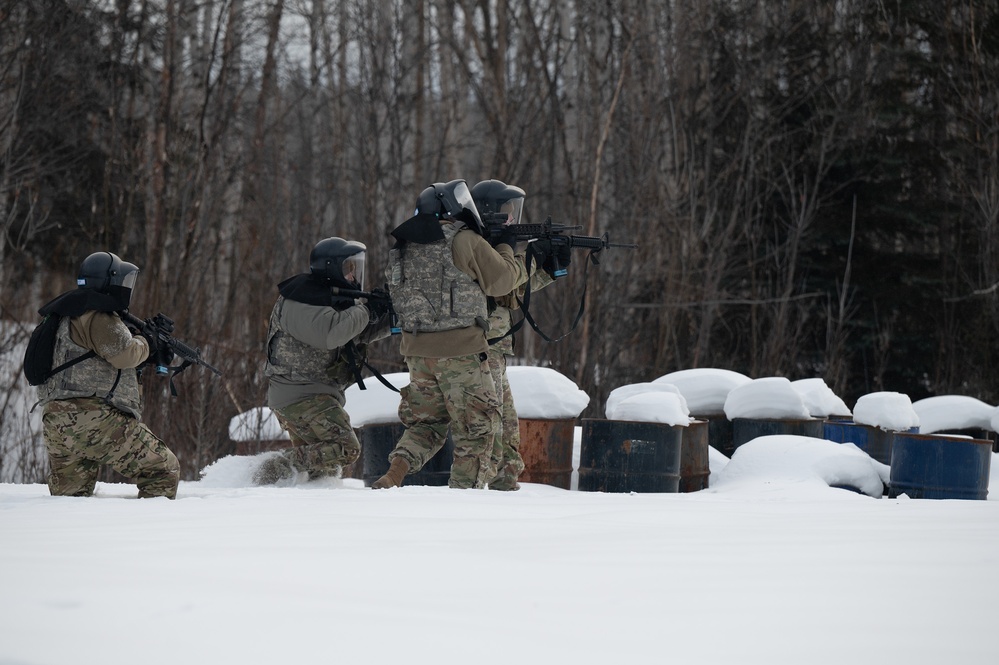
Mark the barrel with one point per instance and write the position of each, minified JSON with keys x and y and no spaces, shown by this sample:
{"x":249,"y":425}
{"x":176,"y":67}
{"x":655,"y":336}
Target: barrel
{"x":874,"y":441}
{"x":694,"y":466}
{"x":719,"y":433}
{"x":747,"y":429}
{"x":377,"y":441}
{"x":629,"y":456}
{"x":546,"y":446}
{"x":931,"y":466}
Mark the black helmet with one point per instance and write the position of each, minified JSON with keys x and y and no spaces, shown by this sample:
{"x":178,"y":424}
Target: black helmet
{"x":104,"y":272}
{"x":498,"y":203}
{"x":451,"y":199}
{"x":339,"y":262}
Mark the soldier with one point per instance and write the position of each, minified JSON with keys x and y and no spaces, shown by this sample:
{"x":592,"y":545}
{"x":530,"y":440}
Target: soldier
{"x":316,"y":343}
{"x":92,"y":407}
{"x":440,"y":272}
{"x":503,"y":205}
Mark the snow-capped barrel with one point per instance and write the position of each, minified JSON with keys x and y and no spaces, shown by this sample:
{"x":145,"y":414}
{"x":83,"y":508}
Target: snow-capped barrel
{"x":769,"y":406}
{"x":546,"y":446}
{"x":694,"y":464}
{"x":877,"y":418}
{"x":705,"y":389}
{"x":547,"y":405}
{"x":874,"y":441}
{"x":629,"y":456}
{"x":378,"y":440}
{"x":933,"y":466}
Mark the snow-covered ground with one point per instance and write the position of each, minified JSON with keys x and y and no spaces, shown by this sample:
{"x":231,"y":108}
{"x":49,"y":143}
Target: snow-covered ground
{"x":769,"y":565}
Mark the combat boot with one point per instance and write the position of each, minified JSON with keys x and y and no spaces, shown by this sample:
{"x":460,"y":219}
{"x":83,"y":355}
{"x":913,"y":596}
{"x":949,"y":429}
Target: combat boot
{"x":273,"y":470}
{"x":393,"y":477}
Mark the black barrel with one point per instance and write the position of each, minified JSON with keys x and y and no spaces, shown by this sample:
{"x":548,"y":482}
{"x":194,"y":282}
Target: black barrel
{"x":377,"y":441}
{"x":719,"y":433}
{"x":747,"y":429}
{"x":629,"y":456}
{"x":931,"y":466}
{"x":694,"y":465}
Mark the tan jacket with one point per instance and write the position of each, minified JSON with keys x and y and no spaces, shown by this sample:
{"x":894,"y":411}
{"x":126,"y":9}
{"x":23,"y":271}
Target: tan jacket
{"x":496,"y":270}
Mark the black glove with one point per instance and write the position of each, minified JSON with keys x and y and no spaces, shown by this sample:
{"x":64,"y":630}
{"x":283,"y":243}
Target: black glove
{"x":507,"y":237}
{"x":558,"y":261}
{"x":160,"y":353}
{"x":379,"y":306}
{"x":540,"y":251}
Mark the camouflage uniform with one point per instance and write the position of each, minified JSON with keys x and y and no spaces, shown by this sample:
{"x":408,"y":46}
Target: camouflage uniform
{"x":450,"y":382}
{"x":92,"y":412}
{"x":309,"y":371}
{"x":506,"y":456}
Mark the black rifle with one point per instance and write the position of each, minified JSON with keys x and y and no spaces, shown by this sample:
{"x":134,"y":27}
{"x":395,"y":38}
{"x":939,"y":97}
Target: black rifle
{"x":349,"y":347}
{"x":161,"y":326}
{"x":555,"y":234}
{"x":381,"y":297}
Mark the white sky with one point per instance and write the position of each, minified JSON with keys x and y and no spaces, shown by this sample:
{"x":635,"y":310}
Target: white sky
{"x":769,"y":565}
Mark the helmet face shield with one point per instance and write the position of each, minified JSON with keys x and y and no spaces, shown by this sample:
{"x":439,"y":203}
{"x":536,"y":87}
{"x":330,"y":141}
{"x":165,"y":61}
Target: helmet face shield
{"x":513,"y":209}
{"x":353,"y":269}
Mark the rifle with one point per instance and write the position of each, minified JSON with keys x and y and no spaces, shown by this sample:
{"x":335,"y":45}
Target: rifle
{"x":381,"y":297}
{"x":161,"y":326}
{"x":555,"y":234}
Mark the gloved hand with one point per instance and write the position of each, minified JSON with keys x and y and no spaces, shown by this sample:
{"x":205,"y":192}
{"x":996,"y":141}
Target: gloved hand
{"x":159,"y":352}
{"x":507,"y":237}
{"x":380,"y":306}
{"x":558,"y":261}
{"x":540,"y":251}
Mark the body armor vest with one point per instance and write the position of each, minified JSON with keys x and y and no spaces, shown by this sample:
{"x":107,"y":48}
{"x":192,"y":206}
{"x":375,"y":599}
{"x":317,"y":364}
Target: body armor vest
{"x":94,"y":377}
{"x":297,"y":361}
{"x":429,"y":293}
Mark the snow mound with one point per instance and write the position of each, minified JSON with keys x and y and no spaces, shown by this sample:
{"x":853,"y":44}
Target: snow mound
{"x":624,"y":392}
{"x":949,"y":412}
{"x":651,"y":407}
{"x":801,"y":460}
{"x":705,"y":388}
{"x":770,"y":397}
{"x":544,"y":394}
{"x":819,"y":398}
{"x":887,"y":410}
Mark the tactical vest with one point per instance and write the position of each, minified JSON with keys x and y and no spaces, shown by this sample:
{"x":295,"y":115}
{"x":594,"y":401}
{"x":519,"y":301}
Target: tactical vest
{"x":94,"y":377}
{"x":430,"y":293}
{"x":297,"y":361}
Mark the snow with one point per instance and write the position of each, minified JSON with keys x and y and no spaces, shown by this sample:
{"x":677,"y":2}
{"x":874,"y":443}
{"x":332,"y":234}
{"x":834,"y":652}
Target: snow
{"x":773,"y":564}
{"x":888,"y":410}
{"x":705,"y":388}
{"x":648,"y":402}
{"x":950,"y":412}
{"x":767,"y":398}
{"x":819,"y":398}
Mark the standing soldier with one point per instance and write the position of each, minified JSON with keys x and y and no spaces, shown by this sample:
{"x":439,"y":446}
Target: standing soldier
{"x":93,"y":403}
{"x":502,"y":205}
{"x":316,"y":343}
{"x":440,"y":272}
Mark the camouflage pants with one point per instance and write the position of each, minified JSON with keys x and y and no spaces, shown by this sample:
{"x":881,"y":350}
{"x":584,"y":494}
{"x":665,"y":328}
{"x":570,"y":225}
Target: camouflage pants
{"x":81,"y":435}
{"x":450,"y":392}
{"x":321,"y":435}
{"x":506,"y":456}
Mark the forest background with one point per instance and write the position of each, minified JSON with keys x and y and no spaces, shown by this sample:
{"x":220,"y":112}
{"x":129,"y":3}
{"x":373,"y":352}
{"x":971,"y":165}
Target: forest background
{"x":814,"y":186}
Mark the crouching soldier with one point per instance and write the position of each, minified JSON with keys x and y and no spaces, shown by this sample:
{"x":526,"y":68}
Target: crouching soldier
{"x":92,"y":402}
{"x":316,"y":344}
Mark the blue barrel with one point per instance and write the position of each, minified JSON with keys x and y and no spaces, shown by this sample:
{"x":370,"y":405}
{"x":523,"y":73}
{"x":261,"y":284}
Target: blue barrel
{"x":747,"y":429}
{"x":694,"y":463}
{"x":629,"y":456}
{"x":377,"y":441}
{"x":931,"y":466}
{"x":874,"y":441}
